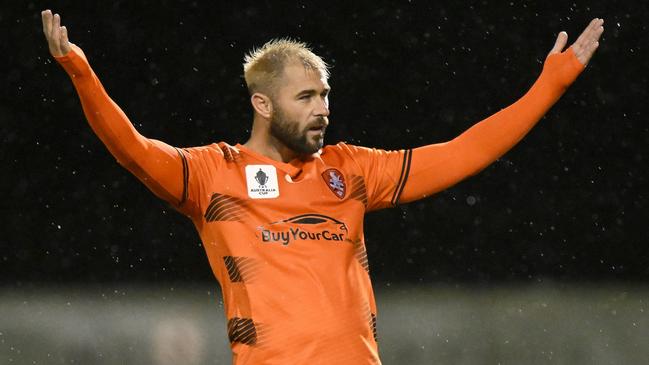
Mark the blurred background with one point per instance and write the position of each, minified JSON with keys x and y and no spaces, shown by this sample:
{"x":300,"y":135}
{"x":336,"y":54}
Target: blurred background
{"x":541,"y":258}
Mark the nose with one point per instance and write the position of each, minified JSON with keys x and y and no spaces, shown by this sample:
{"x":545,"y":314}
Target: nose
{"x":322,"y":109}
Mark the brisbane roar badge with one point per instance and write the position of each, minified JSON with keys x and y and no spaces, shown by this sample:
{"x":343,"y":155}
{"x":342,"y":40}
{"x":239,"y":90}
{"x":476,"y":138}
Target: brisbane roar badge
{"x":335,"y":181}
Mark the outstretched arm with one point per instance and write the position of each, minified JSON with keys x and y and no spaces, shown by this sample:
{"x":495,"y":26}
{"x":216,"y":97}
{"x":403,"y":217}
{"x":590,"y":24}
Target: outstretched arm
{"x":436,"y":167}
{"x":158,"y":165}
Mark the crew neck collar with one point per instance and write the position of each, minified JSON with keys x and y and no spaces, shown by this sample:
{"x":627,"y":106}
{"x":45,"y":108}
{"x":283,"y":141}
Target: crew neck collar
{"x":292,"y":168}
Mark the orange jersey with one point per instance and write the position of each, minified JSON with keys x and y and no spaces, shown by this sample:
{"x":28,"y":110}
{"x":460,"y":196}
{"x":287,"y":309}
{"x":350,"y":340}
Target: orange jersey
{"x":286,"y":243}
{"x":285,"y":240}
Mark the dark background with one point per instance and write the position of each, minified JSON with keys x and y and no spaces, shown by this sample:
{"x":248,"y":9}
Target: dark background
{"x":568,"y":204}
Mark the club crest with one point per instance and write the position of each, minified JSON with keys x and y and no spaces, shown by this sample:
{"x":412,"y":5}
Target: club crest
{"x":335,"y":181}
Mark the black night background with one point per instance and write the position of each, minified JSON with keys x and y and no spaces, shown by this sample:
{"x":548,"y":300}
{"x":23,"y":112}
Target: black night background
{"x":567,"y":205}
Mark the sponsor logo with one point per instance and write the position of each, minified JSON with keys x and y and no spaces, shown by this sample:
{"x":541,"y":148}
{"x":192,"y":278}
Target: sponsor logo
{"x":335,"y":181}
{"x":262,"y":181}
{"x":306,"y":227}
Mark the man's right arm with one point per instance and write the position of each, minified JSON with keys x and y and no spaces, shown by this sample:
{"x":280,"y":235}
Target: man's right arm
{"x":159,"y":166}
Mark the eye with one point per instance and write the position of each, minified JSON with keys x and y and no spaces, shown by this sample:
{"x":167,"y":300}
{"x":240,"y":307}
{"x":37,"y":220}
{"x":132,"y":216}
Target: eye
{"x":304,"y":97}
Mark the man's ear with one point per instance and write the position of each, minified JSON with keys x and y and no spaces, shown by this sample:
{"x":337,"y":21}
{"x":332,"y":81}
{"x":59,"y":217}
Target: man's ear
{"x":262,"y":105}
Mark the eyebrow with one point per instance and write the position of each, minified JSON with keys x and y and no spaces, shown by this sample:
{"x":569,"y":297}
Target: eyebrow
{"x":326,"y":90}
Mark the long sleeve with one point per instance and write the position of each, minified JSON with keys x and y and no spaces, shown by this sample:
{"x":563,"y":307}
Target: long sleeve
{"x":159,"y":166}
{"x":438,"y":166}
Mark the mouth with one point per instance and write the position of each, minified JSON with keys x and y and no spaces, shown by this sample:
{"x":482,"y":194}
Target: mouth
{"x":318,"y":128}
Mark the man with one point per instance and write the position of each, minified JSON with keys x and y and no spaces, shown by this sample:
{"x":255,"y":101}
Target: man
{"x":281,"y":216}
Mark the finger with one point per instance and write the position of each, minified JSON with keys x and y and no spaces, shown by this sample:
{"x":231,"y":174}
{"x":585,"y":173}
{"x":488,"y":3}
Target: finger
{"x":598,"y":32}
{"x":588,"y":53}
{"x":588,"y":42}
{"x":591,"y":33}
{"x":55,"y":34}
{"x":560,"y":43}
{"x":65,"y":44}
{"x":56,"y":22}
{"x":46,"y":17}
{"x":585,"y":53}
{"x":594,"y":37}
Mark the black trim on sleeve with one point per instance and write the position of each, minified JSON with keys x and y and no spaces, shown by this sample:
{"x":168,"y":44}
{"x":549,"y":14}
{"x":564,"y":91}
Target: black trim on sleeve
{"x":405,"y":170}
{"x":185,"y":176}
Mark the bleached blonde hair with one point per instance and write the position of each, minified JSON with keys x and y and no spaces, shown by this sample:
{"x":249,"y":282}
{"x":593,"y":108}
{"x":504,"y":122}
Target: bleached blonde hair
{"x":263,"y":67}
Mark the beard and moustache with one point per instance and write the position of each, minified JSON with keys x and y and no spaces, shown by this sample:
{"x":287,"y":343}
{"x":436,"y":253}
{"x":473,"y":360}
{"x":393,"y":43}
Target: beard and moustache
{"x":287,"y":132}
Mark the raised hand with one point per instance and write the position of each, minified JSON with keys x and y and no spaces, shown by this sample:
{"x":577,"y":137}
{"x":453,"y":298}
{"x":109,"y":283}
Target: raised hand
{"x":56,"y":35}
{"x":585,"y":45}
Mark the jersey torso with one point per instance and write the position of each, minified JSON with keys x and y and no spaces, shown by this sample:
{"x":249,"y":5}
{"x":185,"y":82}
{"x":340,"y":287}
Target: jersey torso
{"x":285,"y":242}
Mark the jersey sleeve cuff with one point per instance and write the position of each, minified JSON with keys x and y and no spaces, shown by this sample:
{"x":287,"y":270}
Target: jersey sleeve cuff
{"x":74,"y":62}
{"x":68,"y":57}
{"x":403,"y":177}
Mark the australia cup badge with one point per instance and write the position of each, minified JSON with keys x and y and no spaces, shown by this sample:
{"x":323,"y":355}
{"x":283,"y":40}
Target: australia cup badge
{"x":262,"y":181}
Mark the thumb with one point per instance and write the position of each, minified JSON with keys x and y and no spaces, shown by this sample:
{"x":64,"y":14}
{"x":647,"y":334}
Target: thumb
{"x":560,"y":43}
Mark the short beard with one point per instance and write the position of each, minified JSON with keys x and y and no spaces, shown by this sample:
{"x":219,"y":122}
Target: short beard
{"x":286,"y":131}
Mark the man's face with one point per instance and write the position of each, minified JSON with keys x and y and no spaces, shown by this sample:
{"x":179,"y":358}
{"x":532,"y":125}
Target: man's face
{"x":300,"y":109}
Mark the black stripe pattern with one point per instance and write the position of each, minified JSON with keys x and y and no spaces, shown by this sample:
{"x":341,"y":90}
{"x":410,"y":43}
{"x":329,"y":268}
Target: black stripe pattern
{"x":242,"y":330}
{"x":361,"y":254}
{"x":240,"y":269}
{"x":183,"y":198}
{"x":373,"y":324}
{"x":225,"y":208}
{"x":358,"y":189}
{"x":405,"y":170}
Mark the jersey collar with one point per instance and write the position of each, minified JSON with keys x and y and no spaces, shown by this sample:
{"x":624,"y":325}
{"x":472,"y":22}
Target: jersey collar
{"x":293,"y":168}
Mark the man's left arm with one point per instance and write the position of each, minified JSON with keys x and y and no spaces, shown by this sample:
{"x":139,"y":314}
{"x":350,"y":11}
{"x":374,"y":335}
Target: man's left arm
{"x":436,"y":167}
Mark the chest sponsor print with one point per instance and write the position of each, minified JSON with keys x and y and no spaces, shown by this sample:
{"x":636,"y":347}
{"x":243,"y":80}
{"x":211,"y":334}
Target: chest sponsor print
{"x":305,"y":227}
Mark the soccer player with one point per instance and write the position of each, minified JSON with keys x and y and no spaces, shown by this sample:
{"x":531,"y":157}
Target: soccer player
{"x":281,"y":216}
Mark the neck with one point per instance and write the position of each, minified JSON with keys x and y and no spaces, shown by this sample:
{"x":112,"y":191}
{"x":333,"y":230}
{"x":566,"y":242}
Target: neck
{"x":262,"y":142}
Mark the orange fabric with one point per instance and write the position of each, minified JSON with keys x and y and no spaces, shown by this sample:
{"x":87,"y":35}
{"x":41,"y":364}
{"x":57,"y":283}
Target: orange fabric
{"x":285,"y":240}
{"x":294,"y":265}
